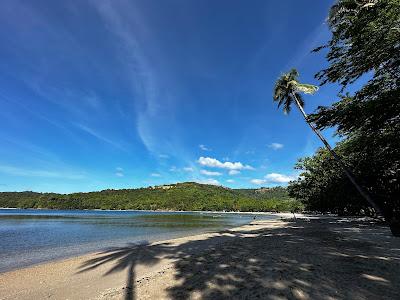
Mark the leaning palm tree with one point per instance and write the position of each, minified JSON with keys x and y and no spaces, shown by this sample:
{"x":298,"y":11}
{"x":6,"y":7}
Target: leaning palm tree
{"x":287,"y":92}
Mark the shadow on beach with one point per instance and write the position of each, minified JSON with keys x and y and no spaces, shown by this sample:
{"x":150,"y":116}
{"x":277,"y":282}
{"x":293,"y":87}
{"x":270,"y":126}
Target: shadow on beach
{"x":317,"y":259}
{"x":126,"y":258}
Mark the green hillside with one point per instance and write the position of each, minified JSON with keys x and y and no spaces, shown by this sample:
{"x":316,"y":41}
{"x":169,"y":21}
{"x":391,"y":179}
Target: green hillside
{"x":180,"y":196}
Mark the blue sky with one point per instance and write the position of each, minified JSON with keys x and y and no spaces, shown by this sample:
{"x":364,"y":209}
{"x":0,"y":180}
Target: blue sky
{"x":121,"y":94}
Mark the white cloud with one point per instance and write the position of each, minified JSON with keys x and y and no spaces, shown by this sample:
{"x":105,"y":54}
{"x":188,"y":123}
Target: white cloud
{"x":209,"y":181}
{"x":119,"y":172}
{"x":155,"y":175}
{"x":204,"y":147}
{"x":230,"y":180}
{"x":173,"y":169}
{"x":279,"y":178}
{"x":275,"y":146}
{"x":188,"y":169}
{"x":210,"y":173}
{"x":258,"y":181}
{"x":233,"y":172}
{"x":274,"y":178}
{"x":215,"y":163}
{"x":165,"y":156}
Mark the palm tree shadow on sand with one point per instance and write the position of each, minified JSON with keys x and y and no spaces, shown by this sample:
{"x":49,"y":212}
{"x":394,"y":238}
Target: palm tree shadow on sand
{"x":127,"y":257}
{"x":305,"y":260}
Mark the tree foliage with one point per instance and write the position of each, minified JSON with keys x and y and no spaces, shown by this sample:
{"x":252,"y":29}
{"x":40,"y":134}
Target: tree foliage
{"x":323,"y":186}
{"x":365,"y":37}
{"x":181,"y":196}
{"x":365,"y":42}
{"x":287,"y":87}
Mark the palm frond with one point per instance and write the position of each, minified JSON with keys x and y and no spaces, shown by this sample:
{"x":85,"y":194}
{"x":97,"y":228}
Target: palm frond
{"x":293,"y":74}
{"x":306,"y":88}
{"x":287,"y":106}
{"x":286,"y":86}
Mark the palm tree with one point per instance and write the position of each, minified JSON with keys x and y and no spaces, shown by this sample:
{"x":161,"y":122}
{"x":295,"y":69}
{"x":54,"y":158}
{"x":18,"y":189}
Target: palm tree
{"x":286,"y":92}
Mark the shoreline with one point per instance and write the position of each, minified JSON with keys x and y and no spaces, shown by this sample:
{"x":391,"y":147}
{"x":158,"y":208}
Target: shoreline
{"x":68,"y":256}
{"x":265,"y":259}
{"x":162,"y":211}
{"x":277,"y":216}
{"x":34,"y":274}
{"x":91,"y":253}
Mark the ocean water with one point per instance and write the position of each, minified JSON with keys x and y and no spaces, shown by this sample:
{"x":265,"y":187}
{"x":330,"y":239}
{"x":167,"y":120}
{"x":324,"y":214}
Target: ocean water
{"x":29,"y":237}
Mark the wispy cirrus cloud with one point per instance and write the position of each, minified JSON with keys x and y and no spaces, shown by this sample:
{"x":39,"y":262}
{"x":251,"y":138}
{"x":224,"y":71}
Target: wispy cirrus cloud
{"x":303,"y":51}
{"x":153,"y":84}
{"x":23,"y":172}
{"x":100,"y":137}
{"x":215,"y":163}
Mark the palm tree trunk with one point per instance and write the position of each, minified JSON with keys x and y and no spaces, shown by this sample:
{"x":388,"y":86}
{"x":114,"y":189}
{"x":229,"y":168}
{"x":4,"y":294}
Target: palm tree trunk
{"x":348,"y":173}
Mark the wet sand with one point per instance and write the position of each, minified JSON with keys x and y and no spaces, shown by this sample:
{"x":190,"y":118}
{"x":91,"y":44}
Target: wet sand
{"x":316,"y":258}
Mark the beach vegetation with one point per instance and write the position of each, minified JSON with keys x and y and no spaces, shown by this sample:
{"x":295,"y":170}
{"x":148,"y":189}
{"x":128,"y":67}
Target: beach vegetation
{"x":364,"y":53}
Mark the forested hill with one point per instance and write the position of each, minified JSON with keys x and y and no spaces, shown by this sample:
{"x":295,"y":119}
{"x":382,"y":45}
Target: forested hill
{"x":180,"y":196}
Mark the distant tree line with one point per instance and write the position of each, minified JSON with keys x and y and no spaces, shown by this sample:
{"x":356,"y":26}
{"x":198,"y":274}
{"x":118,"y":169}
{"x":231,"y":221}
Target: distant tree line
{"x":181,"y":196}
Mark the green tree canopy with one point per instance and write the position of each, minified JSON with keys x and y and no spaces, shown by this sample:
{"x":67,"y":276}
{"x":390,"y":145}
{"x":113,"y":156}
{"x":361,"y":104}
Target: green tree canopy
{"x":365,"y":42}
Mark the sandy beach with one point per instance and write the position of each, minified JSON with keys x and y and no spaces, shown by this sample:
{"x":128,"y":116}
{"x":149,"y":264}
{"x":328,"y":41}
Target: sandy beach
{"x":307,"y":258}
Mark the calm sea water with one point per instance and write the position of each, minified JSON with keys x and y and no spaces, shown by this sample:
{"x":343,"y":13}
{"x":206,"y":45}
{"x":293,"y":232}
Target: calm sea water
{"x":29,"y":237}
